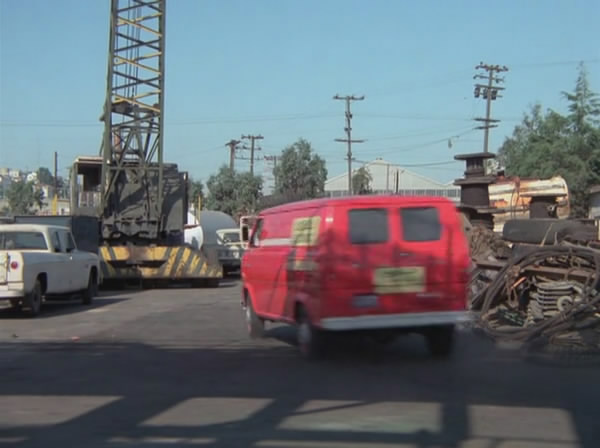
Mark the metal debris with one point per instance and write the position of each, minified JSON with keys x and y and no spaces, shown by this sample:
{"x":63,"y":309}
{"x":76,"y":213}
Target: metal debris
{"x":548,"y":293}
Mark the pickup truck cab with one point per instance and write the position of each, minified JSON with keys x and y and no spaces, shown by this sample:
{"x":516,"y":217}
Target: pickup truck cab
{"x":41,"y":262}
{"x":231,"y":249}
{"x":381,"y":265}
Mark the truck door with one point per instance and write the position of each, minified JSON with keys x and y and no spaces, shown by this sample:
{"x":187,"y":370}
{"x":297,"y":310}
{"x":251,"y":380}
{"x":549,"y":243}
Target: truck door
{"x":78,"y":262}
{"x":58,"y":270}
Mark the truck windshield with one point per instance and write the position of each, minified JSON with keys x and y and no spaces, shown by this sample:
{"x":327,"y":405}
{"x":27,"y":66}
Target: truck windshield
{"x":231,"y":237}
{"x":22,"y":241}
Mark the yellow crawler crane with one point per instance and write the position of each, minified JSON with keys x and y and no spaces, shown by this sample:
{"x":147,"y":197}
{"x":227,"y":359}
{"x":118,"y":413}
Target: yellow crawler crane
{"x":140,"y":201}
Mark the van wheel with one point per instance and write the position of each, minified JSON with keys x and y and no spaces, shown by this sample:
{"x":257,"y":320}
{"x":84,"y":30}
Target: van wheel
{"x":440,"y":341}
{"x":255,"y":325}
{"x":33,"y":301}
{"x":91,"y":291}
{"x":310,"y":339}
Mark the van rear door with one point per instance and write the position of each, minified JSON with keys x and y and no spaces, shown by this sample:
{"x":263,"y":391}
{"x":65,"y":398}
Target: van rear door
{"x":359,"y":243}
{"x":436,"y":255}
{"x":398,"y":257}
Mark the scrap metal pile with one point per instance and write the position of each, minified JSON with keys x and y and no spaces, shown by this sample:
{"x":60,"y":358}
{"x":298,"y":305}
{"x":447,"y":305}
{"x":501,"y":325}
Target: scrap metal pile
{"x":548,"y":295}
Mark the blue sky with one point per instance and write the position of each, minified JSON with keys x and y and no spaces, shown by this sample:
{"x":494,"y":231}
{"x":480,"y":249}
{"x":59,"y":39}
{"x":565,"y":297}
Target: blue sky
{"x":272,"y":67}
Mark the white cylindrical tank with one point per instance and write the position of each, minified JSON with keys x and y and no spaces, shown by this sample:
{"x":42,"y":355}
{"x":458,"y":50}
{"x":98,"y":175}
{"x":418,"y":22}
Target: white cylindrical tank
{"x":194,"y":236}
{"x":205,"y":232}
{"x":211,"y":221}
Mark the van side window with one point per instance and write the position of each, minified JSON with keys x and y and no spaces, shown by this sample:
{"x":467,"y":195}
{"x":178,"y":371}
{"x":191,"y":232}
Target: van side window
{"x":420,"y":224}
{"x":368,"y":226}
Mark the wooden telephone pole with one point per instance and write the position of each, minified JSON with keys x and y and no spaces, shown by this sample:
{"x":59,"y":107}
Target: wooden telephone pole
{"x":233,"y":147}
{"x":489,"y":92}
{"x":252,"y":148}
{"x":348,"y":140}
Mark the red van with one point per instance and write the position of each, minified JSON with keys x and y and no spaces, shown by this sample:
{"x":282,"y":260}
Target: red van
{"x":383,"y":264}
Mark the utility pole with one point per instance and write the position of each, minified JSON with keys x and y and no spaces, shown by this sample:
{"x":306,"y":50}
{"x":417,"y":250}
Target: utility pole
{"x":489,"y":92}
{"x":55,"y":199}
{"x":348,"y":99}
{"x":271,"y":159}
{"x":233,"y":147}
{"x":252,"y":148}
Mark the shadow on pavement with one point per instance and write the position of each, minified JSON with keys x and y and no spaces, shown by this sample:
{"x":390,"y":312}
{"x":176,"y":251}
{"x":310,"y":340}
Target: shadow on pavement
{"x":181,"y":397}
{"x":63,"y":307}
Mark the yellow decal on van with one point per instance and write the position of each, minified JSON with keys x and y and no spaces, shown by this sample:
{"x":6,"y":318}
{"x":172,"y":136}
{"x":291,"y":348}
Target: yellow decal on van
{"x":305,"y":231}
{"x":303,"y":265}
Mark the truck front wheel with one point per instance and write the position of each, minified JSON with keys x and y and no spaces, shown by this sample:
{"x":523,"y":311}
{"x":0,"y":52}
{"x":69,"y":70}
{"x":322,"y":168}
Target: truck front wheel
{"x":91,"y":291}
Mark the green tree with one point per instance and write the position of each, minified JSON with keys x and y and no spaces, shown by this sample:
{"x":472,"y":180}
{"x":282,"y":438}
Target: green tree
{"x":23,"y":197}
{"x":361,"y":181}
{"x":233,"y":193}
{"x":584,"y":104}
{"x":195,"y":191}
{"x":547,"y":143}
{"x":300,"y":172}
{"x":45,"y":176}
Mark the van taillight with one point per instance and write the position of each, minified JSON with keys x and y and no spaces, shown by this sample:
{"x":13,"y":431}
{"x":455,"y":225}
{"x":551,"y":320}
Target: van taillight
{"x":14,"y":265}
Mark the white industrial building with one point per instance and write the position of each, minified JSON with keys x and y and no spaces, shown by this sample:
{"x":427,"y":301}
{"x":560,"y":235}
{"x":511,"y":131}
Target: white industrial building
{"x":389,"y":177}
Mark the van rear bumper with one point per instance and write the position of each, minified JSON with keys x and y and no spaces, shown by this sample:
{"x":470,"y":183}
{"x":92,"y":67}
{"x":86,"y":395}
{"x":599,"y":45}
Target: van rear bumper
{"x":404,"y":320}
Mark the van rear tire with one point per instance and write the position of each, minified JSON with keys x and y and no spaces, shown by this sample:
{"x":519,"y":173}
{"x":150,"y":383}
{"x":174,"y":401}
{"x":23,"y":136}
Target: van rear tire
{"x":310,"y":338}
{"x":440,"y":341}
{"x":254,"y":324}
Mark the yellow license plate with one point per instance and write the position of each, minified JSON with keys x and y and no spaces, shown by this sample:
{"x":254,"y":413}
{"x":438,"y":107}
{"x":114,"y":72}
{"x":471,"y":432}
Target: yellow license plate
{"x":399,"y":280}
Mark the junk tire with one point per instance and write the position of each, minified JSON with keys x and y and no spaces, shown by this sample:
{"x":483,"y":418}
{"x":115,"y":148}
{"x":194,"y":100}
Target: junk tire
{"x":534,"y":231}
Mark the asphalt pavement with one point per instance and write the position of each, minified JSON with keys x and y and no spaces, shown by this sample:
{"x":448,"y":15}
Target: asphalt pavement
{"x":174,"y":367}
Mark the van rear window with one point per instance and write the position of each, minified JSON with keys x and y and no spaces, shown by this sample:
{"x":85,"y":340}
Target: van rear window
{"x":420,"y":224}
{"x":368,"y":226}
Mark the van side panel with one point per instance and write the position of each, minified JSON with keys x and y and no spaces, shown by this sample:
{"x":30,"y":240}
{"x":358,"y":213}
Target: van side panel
{"x":284,"y":269}
{"x":304,"y":263}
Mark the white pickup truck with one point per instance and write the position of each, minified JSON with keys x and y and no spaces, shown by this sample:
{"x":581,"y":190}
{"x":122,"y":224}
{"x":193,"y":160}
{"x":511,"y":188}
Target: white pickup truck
{"x":41,"y":262}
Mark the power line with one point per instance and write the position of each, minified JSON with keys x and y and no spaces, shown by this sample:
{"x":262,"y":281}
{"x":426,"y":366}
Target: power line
{"x":555,"y":63}
{"x":424,"y":144}
{"x":67,"y":124}
{"x":415,"y":117}
{"x":176,"y":123}
{"x":450,"y":78}
{"x":348,"y":140}
{"x":417,"y":133}
{"x":489,"y":92}
{"x":403,"y":165}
